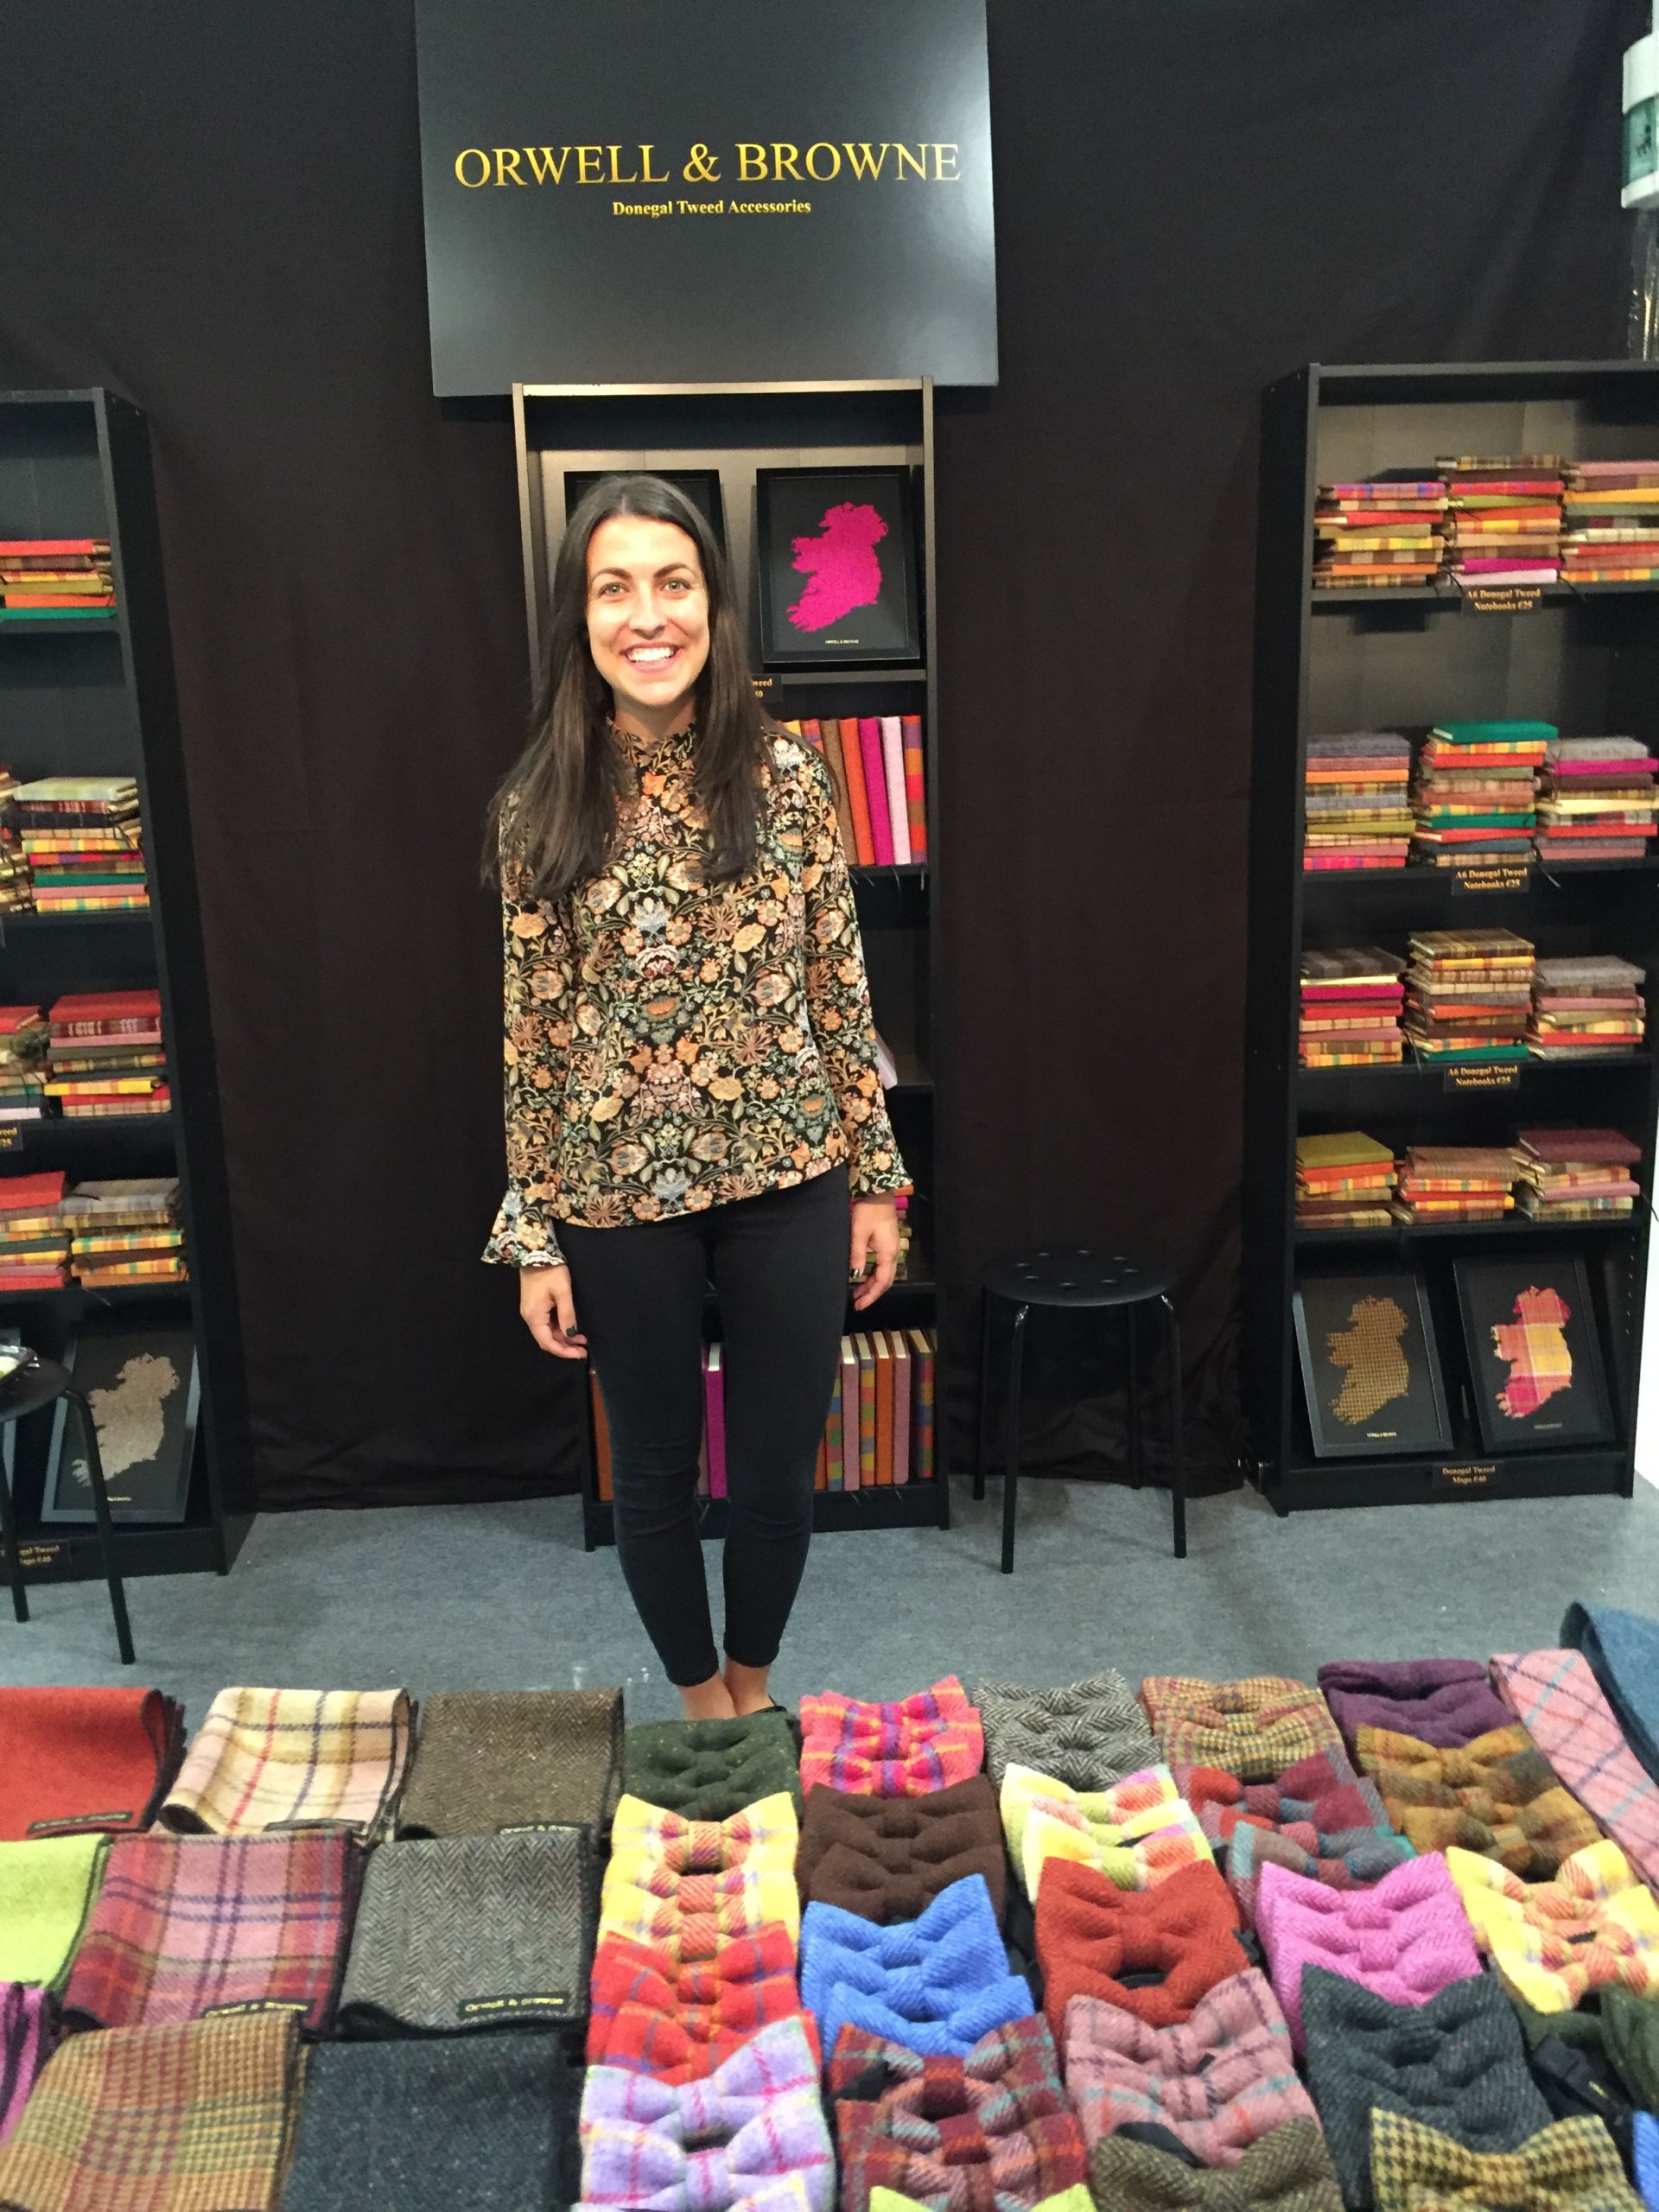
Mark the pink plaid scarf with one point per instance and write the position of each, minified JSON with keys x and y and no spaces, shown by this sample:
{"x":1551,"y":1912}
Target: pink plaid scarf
{"x":1558,"y":1699}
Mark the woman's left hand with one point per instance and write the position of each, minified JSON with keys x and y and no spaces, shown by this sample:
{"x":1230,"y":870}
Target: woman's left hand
{"x":875,"y":1231}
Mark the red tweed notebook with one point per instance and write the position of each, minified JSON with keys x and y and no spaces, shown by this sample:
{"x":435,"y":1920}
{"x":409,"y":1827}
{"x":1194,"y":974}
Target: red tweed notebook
{"x":77,"y":1759}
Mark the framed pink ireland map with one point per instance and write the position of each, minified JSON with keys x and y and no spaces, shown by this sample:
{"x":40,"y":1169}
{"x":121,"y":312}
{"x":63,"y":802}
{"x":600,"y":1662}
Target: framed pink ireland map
{"x":835,"y":552}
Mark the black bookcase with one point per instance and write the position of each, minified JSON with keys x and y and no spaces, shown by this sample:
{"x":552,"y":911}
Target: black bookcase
{"x":736,"y":430}
{"x":98,"y":697}
{"x":1584,"y":657}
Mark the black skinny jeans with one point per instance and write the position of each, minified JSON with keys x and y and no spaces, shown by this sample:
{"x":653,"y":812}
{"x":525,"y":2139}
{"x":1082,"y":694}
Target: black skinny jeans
{"x":778,"y":1264}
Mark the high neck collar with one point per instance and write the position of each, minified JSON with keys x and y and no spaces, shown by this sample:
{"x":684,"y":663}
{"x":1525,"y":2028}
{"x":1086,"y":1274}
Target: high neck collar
{"x":646,"y":750}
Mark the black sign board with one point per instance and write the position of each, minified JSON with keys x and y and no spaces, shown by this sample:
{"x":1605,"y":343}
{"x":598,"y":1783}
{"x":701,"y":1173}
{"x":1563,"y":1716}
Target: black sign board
{"x":706,"y":190}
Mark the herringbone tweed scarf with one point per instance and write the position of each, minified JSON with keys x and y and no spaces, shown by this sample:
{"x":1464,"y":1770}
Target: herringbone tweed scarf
{"x":1090,"y":1734}
{"x":490,"y":1760}
{"x":473,"y":1932}
{"x":708,"y":1769}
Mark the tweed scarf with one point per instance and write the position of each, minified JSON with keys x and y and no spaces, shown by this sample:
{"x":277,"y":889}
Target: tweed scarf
{"x":1319,"y":1819}
{"x":293,"y":1758}
{"x":1090,"y":1734}
{"x":1572,"y":2166}
{"x":187,"y":1926}
{"x":1457,"y":2063}
{"x":491,"y":1759}
{"x":1405,"y":1939}
{"x":687,"y":1886}
{"x":1498,"y":1796}
{"x":85,"y":1758}
{"x":28,"y":2028}
{"x":1559,"y":1703}
{"x":46,"y":1889}
{"x":1095,"y":1940}
{"x":1646,"y":2158}
{"x":988,"y":2128}
{"x":1219,"y":2081}
{"x":708,"y":1769}
{"x":927,"y":1741}
{"x":487,"y":2124}
{"x":680,"y":2022}
{"x":1442,"y":1701}
{"x":1139,"y":1832}
{"x":887,"y":1858}
{"x":1551,"y":1943}
{"x":192,"y":2117}
{"x":1254,"y":1728}
{"x":1289,"y":2170}
{"x":473,"y":1932}
{"x":1623,"y":1650}
{"x":721,"y":2142}
{"x":934,"y":1985}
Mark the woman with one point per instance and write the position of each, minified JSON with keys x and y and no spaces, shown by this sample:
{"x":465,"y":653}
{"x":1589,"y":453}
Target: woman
{"x":691,"y":1085}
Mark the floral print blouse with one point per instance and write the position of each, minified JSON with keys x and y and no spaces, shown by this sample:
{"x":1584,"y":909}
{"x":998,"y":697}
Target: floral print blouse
{"x":671,"y":1046}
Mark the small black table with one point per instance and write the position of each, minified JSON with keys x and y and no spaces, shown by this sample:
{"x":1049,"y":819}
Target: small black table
{"x":35,"y":1387}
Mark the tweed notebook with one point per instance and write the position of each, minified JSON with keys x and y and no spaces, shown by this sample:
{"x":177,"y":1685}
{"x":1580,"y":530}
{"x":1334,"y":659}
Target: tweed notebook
{"x":1572,"y":2166}
{"x":490,"y":1760}
{"x":46,"y":1890}
{"x":294,"y":1758}
{"x":1090,"y":1733}
{"x":887,"y":1858}
{"x":1289,"y":2170}
{"x":708,"y":1769}
{"x":461,"y":1933}
{"x":85,"y":1758}
{"x":28,"y":2028}
{"x":1255,"y":1728}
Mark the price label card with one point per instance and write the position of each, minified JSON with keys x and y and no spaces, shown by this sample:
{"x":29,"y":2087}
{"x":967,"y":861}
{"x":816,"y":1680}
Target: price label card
{"x":1503,"y":598}
{"x":1484,"y":1078}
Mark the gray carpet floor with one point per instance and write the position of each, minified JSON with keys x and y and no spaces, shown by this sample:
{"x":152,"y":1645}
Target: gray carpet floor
{"x":502,"y":1596}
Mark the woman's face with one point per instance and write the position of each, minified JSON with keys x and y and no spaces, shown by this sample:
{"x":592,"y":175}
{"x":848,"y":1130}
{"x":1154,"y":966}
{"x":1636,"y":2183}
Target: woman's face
{"x":647,"y":611}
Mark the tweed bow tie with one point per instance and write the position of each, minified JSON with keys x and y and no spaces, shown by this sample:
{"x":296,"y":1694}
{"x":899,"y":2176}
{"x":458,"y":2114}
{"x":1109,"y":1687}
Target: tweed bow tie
{"x":1594,"y":1927}
{"x":1091,"y":1934}
{"x":1289,"y":2170}
{"x":709,"y":1770}
{"x":1318,"y":1819}
{"x":1089,"y":1733}
{"x":1138,"y":1833}
{"x":1570,"y":2167}
{"x":689,"y":1886}
{"x":680,"y":2022}
{"x":887,"y":1858}
{"x":715,"y":2144}
{"x":934,"y":1985}
{"x":927,"y":1741}
{"x":1066,"y":2200}
{"x":1254,"y":1728}
{"x":1498,"y":1796}
{"x":1440,"y":1700}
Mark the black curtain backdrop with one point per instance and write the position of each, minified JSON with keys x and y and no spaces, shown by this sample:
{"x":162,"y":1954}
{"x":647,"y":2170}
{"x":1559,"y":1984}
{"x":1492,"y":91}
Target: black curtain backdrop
{"x":214,"y":208}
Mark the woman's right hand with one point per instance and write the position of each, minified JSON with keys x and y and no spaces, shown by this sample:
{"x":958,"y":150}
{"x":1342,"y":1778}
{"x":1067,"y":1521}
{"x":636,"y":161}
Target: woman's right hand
{"x":549,"y":1311}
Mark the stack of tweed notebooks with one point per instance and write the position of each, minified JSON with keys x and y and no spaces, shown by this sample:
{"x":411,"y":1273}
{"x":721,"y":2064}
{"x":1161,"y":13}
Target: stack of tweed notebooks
{"x":1474,"y":794}
{"x":1611,"y":520}
{"x":33,"y":1235}
{"x":125,"y":1229}
{"x":1586,"y":1007}
{"x":83,"y":839}
{"x":1598,"y":800}
{"x":1577,"y":1175}
{"x":1354,"y":801}
{"x":1350,"y":1005}
{"x":1455,"y":1182}
{"x":25,"y":1032}
{"x":1385,"y":530}
{"x":1469,"y":996}
{"x":56,"y":578}
{"x":1503,"y":518}
{"x":1343,"y":1181}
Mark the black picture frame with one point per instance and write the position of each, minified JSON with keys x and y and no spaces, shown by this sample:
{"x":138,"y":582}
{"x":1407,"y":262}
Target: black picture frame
{"x":793,"y":510}
{"x":701,"y":486}
{"x":1489,"y":1295}
{"x":149,"y":1484}
{"x":1349,"y":1358}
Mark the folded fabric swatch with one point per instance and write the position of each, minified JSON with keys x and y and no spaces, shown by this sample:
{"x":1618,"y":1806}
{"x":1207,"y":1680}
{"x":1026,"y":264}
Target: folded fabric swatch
{"x":1289,"y":2170}
{"x":1406,"y":1938}
{"x":895,"y":1749}
{"x":989,"y":2127}
{"x":934,"y":1985}
{"x":490,"y":1760}
{"x":1442,"y":1701}
{"x":85,"y":1758}
{"x":1623,"y":1650}
{"x":1457,"y":2063}
{"x":1095,"y":1940}
{"x":28,"y":2028}
{"x":1646,"y":2158}
{"x":1572,"y":2166}
{"x":483,"y":2125}
{"x":709,"y":1770}
{"x":191,"y":2117}
{"x":687,"y":1886}
{"x":1139,"y":1832}
{"x":710,"y":2145}
{"x":1254,"y":1728}
{"x":678,"y":2022}
{"x":1090,"y":1733}
{"x":1559,"y":1703}
{"x":46,"y":1889}
{"x":1219,"y":2081}
{"x":887,"y":1858}
{"x":1593,"y":1926}
{"x":293,"y":1758}
{"x":1498,"y":1796}
{"x":1319,"y":1819}
{"x":187,"y":1926}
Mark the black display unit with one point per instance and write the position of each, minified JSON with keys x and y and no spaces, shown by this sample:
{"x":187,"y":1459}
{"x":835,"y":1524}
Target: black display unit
{"x":734,"y":430}
{"x":1585,"y":658}
{"x":98,"y":697}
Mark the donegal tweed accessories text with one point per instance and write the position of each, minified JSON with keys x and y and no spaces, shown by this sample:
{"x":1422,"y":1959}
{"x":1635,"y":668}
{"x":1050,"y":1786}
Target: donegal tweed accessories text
{"x":1319,"y":1819}
{"x":1444,"y":1702}
{"x":46,"y":1890}
{"x":1139,"y":1832}
{"x":934,"y":1985}
{"x":888,"y":1857}
{"x":1095,"y":1940}
{"x":1090,"y":1733}
{"x":709,"y":1770}
{"x":1570,"y":2167}
{"x":1219,"y":2081}
{"x":1593,"y":1927}
{"x":1623,"y":1650}
{"x":1559,"y":1703}
{"x":686,"y":1887}
{"x":680,"y":2022}
{"x":294,"y":1758}
{"x":85,"y":1758}
{"x":1255,"y":1728}
{"x":1289,"y":2170}
{"x":924,"y":1742}
{"x":489,"y":1759}
{"x":28,"y":2031}
{"x":1498,"y":1796}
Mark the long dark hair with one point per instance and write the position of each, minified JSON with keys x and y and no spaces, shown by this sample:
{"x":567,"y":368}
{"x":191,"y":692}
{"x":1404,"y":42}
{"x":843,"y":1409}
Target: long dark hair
{"x":554,"y":819}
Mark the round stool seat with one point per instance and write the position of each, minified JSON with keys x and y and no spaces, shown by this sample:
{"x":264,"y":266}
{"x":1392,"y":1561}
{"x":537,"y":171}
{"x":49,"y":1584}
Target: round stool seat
{"x":1074,"y":1274}
{"x":35,"y":1387}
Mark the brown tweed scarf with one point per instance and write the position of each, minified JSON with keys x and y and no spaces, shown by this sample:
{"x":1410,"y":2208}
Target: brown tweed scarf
{"x":490,"y":1760}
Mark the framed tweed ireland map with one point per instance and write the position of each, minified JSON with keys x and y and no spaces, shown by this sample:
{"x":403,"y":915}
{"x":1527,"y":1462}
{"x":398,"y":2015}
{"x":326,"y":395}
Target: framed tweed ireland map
{"x":1535,"y":1360}
{"x":1370,"y":1368}
{"x":835,"y":555}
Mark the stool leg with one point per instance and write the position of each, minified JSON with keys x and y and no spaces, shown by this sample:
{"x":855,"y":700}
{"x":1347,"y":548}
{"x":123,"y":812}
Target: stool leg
{"x":1135,"y":1471}
{"x":1011,"y":1480}
{"x":106,"y":1527}
{"x":10,"y":1551}
{"x":1177,"y":1454}
{"x":982,"y":1425}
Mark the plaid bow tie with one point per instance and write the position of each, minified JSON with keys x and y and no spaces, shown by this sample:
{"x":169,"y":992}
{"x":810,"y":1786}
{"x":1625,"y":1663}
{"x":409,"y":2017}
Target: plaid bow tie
{"x":896,"y":1749}
{"x":687,"y":1886}
{"x":1255,"y":1728}
{"x":1594,"y":1927}
{"x":1498,"y":1796}
{"x":934,"y":1985}
{"x":680,"y":2022}
{"x":1138,"y":1833}
{"x":1570,"y":2167}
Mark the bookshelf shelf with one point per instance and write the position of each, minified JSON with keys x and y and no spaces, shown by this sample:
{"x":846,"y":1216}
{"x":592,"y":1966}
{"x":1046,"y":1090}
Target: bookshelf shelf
{"x":816,"y":678}
{"x":91,"y":627}
{"x":126,"y":917}
{"x":1448,"y":599}
{"x":1404,"y":1233}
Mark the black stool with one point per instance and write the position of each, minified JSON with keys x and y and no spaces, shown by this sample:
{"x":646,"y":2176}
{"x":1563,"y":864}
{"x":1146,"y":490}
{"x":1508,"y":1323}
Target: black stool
{"x":35,"y":1386}
{"x":1070,"y":1276}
